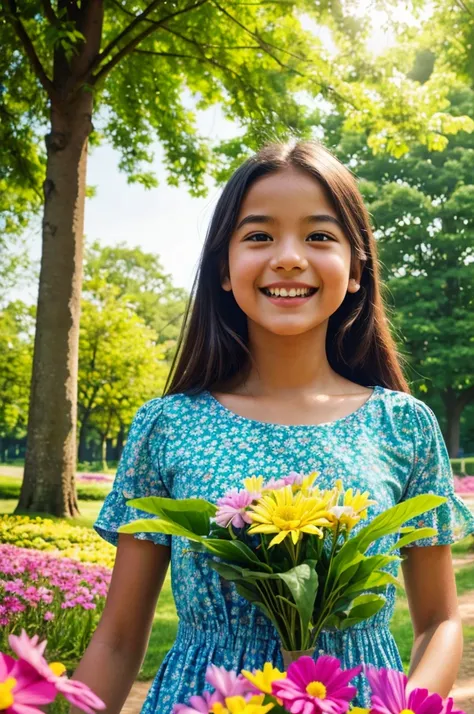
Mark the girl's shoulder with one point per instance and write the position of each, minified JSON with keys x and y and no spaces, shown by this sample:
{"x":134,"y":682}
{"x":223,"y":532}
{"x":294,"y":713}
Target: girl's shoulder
{"x":406,"y":407}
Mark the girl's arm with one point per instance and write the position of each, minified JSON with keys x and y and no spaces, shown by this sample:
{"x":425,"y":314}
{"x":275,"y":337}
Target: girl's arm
{"x":115,"y":653}
{"x":432,"y":598}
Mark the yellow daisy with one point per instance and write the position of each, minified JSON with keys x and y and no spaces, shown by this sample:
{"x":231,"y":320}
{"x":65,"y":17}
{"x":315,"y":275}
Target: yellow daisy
{"x":353,"y":508}
{"x":286,"y":513}
{"x":262,"y":679}
{"x":254,"y":484}
{"x":238,"y":705}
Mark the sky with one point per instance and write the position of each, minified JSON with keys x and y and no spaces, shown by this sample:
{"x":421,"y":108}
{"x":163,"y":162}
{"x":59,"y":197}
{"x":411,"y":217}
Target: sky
{"x":165,"y":220}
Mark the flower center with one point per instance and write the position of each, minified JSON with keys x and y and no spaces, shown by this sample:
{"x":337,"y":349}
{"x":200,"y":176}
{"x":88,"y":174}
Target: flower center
{"x":407,"y":711}
{"x":287,"y":513}
{"x":318,"y":690}
{"x":57,"y":668}
{"x":6,"y":696}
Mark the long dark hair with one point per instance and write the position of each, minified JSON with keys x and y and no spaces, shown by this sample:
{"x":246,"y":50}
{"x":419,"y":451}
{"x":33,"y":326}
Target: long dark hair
{"x":212,"y":349}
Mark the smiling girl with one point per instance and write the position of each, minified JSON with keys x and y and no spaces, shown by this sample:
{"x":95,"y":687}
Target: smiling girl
{"x":285,"y":364}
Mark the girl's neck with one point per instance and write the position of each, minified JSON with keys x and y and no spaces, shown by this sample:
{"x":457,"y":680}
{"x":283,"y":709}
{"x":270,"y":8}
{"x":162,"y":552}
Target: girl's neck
{"x":287,"y":366}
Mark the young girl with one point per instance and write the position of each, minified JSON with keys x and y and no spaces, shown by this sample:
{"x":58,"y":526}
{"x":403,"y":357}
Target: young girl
{"x":286,"y":364}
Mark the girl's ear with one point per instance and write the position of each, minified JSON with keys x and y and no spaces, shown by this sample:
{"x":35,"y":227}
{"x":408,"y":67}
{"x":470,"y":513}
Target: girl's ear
{"x":226,"y":284}
{"x":354,"y":285}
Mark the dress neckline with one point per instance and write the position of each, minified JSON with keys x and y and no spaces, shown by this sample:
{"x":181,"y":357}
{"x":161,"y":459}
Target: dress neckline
{"x":349,"y":417}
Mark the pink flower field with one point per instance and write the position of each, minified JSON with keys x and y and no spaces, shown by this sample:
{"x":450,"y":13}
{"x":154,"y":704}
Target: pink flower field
{"x":52,"y":596}
{"x":464,"y":485}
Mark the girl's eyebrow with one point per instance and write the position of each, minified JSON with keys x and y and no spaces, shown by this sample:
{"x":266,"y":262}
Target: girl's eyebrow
{"x":317,"y":218}
{"x":253,"y":218}
{"x":324,"y":218}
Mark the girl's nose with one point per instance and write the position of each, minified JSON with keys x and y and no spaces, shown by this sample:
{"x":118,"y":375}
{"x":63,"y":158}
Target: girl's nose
{"x":288,"y":258}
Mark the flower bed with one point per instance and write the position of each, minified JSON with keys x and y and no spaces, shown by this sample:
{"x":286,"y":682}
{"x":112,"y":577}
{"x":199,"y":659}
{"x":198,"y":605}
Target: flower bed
{"x":51,"y":596}
{"x":464,"y":485}
{"x":43,"y":534}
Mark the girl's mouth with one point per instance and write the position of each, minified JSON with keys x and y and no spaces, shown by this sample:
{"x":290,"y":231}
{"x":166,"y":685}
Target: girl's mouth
{"x":289,"y":297}
{"x":288,"y":293}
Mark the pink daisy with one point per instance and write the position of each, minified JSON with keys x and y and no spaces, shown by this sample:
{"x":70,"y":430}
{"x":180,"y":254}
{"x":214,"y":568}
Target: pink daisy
{"x":316,"y":687}
{"x":227,"y":684}
{"x":389,"y":695}
{"x":22,"y":690}
{"x":232,"y":508}
{"x":76,"y":692}
{"x":198,"y":705}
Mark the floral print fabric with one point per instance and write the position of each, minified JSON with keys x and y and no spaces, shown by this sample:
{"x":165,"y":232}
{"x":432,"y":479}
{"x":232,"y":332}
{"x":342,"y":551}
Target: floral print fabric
{"x":193,"y":447}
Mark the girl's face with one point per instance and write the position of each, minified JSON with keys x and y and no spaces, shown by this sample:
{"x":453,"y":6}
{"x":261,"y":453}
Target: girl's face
{"x":289,"y":258}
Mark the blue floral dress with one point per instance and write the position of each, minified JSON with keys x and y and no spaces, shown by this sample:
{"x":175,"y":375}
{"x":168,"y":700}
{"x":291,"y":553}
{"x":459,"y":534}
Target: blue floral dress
{"x":194,"y":447}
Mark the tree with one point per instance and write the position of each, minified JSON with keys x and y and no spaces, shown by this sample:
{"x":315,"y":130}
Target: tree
{"x":16,"y":350}
{"x":423,"y":210}
{"x":254,"y":58}
{"x":140,"y":278}
{"x":120,"y":363}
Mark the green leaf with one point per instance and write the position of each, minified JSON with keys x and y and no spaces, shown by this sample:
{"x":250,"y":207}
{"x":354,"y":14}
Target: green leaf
{"x":376,"y":579}
{"x":155,"y":525}
{"x":415,"y":535}
{"x":302,"y":582}
{"x":232,"y":550}
{"x":365,"y":606}
{"x":155,"y":504}
{"x":191,"y":513}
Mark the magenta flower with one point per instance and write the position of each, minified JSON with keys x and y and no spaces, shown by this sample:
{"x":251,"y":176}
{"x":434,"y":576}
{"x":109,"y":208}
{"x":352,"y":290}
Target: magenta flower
{"x":22,"y":690}
{"x":316,"y":687}
{"x":389,"y":695}
{"x":227,"y":684}
{"x":76,"y":692}
{"x":232,"y":508}
{"x":198,"y":705}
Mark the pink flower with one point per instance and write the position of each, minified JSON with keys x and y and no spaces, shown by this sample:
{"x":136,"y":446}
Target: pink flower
{"x":315,"y":687}
{"x":78,"y":693}
{"x":227,"y":684}
{"x":273,"y":484}
{"x":232,"y":508}
{"x":198,"y":705}
{"x":48,"y":615}
{"x":21,"y":688}
{"x":293,"y":478}
{"x":389,"y":695}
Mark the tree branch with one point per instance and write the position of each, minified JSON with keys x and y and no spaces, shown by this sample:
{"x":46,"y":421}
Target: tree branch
{"x":49,"y":12}
{"x":139,"y":38}
{"x":137,"y":20}
{"x":14,"y":18}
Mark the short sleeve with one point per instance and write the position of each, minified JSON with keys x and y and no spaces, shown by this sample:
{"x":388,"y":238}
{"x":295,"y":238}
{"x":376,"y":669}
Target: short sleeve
{"x":432,"y":473}
{"x":138,"y":475}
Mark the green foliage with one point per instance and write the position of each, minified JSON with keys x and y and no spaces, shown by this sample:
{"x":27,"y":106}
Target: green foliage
{"x":10,"y":489}
{"x":422,"y":207}
{"x":16,"y":349}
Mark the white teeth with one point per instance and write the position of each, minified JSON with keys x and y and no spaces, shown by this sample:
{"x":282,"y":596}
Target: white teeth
{"x":292,"y":292}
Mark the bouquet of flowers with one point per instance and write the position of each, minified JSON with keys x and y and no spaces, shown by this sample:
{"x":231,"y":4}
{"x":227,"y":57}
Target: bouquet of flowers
{"x":310,"y":687}
{"x":288,"y":547}
{"x":29,"y":682}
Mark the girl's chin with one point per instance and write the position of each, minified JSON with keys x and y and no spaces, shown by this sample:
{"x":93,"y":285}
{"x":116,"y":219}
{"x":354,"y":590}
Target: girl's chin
{"x":285,"y":328}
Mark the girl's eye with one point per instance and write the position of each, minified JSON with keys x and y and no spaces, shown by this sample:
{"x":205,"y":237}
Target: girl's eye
{"x":319,"y":237}
{"x":259,"y":238}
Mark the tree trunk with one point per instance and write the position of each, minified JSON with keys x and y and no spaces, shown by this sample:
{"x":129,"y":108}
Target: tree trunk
{"x":455,"y":402}
{"x":103,"y":452}
{"x":119,"y":444}
{"x":82,"y":451}
{"x":48,"y":484}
